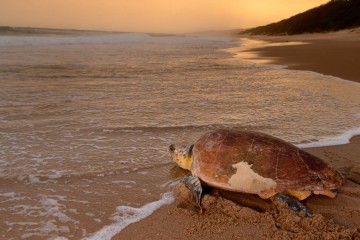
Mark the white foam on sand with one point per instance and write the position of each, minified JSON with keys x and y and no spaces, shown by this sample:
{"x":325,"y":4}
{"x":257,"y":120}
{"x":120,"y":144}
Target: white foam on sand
{"x":56,"y":210}
{"x":125,"y":216}
{"x":340,"y":139}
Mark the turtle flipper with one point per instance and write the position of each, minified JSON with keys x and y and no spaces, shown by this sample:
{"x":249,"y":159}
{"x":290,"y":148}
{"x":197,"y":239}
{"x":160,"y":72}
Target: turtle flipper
{"x":293,"y":204}
{"x":194,"y":185}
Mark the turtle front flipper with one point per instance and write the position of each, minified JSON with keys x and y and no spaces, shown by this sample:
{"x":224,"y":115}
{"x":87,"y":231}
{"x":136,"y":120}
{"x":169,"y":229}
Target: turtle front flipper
{"x":293,"y":204}
{"x":194,"y":185}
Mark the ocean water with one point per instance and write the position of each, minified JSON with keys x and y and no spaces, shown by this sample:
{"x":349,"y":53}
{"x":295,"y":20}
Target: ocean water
{"x":85,"y":122}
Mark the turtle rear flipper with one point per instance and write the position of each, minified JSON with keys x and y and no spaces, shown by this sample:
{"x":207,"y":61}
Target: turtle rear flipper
{"x":293,"y":204}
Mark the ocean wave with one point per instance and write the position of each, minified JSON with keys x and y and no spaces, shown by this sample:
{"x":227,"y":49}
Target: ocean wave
{"x":98,"y":38}
{"x":332,"y":140}
{"x":72,"y":40}
{"x":176,"y":128}
{"x":340,"y":139}
{"x":89,"y":174}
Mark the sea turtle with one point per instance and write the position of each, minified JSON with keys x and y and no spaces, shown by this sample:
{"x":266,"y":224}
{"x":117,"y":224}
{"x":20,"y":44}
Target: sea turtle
{"x":256,"y":163}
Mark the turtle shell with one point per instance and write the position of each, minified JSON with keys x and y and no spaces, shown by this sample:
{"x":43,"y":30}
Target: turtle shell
{"x":257,"y":163}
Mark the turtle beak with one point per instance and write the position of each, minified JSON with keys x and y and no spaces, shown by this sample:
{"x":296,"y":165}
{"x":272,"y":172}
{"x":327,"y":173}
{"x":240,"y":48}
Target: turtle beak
{"x":172,"y":153}
{"x":171,"y":148}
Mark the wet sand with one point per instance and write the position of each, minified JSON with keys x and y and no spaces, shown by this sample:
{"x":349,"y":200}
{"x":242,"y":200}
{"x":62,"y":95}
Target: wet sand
{"x":335,"y":54}
{"x":339,"y":218}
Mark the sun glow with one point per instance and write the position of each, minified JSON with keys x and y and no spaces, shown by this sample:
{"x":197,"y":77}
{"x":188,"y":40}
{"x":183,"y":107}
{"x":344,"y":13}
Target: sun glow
{"x":149,"y":15}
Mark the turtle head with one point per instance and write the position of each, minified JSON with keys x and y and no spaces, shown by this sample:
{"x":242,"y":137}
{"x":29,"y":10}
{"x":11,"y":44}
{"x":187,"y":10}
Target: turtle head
{"x":182,"y":155}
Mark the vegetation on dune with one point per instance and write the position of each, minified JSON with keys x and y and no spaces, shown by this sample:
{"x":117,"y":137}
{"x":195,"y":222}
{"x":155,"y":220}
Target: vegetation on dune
{"x":333,"y":16}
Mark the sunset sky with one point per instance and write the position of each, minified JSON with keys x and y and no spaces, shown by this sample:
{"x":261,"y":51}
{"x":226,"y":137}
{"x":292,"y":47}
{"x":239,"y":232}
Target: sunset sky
{"x":173,"y":16}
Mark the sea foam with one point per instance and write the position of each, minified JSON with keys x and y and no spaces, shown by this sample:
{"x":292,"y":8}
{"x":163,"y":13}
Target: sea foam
{"x":339,"y":139}
{"x":125,"y":216}
{"x":70,"y":40}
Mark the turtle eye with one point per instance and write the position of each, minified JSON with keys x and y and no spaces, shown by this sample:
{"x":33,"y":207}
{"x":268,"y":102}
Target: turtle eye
{"x":189,"y":150}
{"x":171,"y":148}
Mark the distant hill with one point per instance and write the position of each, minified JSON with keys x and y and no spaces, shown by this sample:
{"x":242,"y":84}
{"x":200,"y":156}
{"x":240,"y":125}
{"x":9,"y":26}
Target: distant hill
{"x":333,"y":16}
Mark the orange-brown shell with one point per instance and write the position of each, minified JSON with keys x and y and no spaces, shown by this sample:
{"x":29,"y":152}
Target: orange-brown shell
{"x":224,"y":158}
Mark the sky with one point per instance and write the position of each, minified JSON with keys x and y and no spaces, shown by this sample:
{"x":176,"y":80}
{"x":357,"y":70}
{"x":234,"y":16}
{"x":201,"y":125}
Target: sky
{"x":162,"y":16}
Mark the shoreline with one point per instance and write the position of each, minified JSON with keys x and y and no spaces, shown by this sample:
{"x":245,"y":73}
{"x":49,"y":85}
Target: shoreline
{"x":332,"y":53}
{"x":332,"y":217}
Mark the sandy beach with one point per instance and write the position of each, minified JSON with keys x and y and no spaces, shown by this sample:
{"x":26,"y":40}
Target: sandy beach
{"x":332,"y":54}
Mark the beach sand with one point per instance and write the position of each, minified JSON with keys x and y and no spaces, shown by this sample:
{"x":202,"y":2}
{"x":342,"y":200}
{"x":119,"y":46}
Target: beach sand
{"x":333,"y":54}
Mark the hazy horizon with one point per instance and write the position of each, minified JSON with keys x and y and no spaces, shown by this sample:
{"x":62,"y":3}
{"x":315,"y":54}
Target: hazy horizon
{"x":157,"y":16}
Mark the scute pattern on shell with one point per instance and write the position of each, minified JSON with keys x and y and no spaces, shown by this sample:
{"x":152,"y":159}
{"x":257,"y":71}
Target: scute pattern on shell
{"x":216,"y":153}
